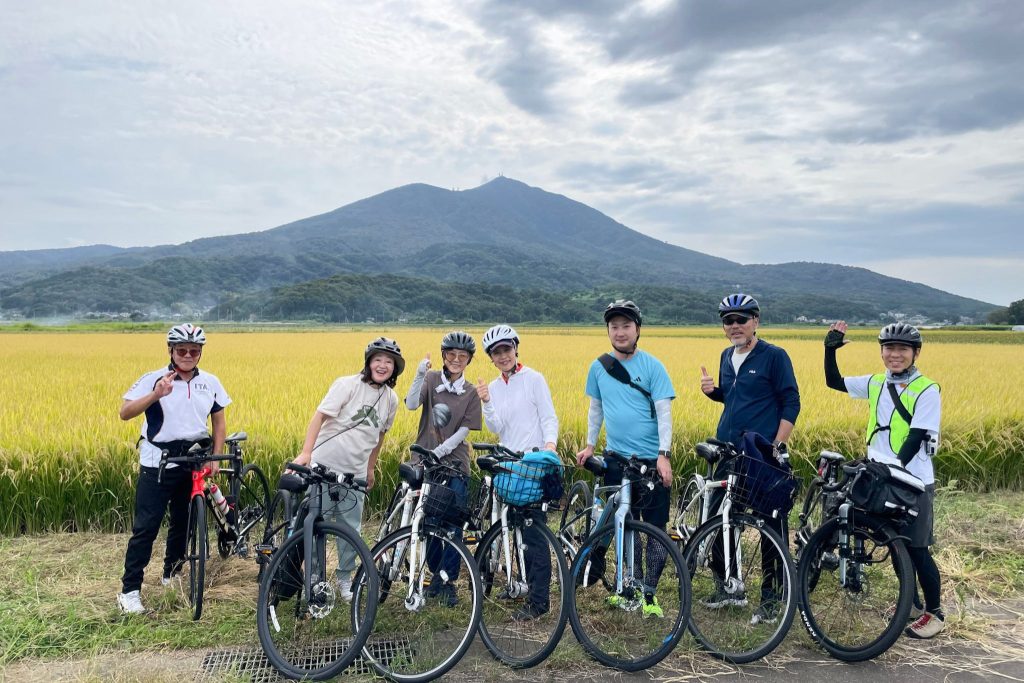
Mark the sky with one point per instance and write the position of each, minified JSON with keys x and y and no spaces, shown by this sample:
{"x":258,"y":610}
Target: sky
{"x":887,"y":135}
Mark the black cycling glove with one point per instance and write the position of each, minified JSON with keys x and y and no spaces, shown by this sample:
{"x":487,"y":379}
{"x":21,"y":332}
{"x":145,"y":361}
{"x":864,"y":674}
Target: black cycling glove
{"x":834,"y":339}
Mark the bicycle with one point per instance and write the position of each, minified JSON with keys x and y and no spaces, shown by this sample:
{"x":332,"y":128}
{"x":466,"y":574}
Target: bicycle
{"x":732,"y":554}
{"x":248,"y":500}
{"x":423,"y":627}
{"x":304,"y":626}
{"x":818,"y":504}
{"x":629,"y":615}
{"x":521,"y":562}
{"x":231,"y":534}
{"x":855,"y":577}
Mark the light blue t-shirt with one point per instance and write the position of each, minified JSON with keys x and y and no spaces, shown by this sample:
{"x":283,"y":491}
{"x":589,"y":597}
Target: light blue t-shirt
{"x":629,"y":427}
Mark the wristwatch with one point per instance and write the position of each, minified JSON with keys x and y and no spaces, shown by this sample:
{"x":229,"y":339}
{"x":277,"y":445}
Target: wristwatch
{"x":665,"y":453}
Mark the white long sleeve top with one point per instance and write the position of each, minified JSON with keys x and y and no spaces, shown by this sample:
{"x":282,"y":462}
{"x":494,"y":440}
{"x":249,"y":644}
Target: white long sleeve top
{"x":521,"y":412}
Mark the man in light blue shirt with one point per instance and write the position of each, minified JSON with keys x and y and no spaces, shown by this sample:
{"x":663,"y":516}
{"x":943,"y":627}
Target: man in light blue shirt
{"x":636,"y":409}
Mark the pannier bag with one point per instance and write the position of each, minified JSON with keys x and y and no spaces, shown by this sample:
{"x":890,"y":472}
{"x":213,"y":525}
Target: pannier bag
{"x":886,"y":490}
{"x":537,"y":477}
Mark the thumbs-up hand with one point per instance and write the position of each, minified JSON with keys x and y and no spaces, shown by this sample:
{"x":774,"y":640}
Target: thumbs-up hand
{"x":424,"y":365}
{"x":482,"y":391}
{"x":707,"y":383}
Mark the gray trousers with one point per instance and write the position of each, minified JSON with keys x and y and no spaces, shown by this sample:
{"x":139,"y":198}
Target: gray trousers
{"x":348,"y":510}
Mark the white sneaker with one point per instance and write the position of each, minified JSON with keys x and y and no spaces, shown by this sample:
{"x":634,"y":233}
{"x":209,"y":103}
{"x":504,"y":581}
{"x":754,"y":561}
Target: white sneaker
{"x":130,"y":603}
{"x":174,"y":579}
{"x":345,"y":589}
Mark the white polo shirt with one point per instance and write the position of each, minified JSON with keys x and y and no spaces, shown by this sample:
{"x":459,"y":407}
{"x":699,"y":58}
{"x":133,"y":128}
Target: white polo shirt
{"x":181,"y":414}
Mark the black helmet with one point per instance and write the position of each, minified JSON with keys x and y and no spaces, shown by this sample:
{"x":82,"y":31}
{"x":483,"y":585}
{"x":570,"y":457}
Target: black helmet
{"x":900,"y":333}
{"x":458,"y":340}
{"x":388,"y":346}
{"x":625,"y":308}
{"x":743,"y":304}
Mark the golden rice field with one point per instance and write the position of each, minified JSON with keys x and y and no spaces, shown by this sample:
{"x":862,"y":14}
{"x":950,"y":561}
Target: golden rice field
{"x":67,"y":461}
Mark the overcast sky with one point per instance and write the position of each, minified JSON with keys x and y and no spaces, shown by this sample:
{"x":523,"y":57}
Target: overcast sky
{"x":888,"y":135}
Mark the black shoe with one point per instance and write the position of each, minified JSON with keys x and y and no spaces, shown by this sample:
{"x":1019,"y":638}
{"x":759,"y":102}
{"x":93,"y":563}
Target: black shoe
{"x":530,"y":612}
{"x":447,"y":595}
{"x":434,"y":588}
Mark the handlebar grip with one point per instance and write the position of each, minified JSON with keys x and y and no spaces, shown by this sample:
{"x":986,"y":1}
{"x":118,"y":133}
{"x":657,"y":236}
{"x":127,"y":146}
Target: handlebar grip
{"x":296,"y":467}
{"x":618,"y":457}
{"x":484,"y":446}
{"x":416,"y":448}
{"x":359,"y":483}
{"x":595,"y":464}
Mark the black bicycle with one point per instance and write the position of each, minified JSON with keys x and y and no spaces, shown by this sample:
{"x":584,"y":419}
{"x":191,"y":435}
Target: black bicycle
{"x":855,"y":577}
{"x":305,"y":614}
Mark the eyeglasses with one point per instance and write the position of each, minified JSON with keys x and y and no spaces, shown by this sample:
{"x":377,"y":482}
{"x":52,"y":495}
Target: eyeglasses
{"x":456,"y":356}
{"x":178,"y":351}
{"x":735,"y":320}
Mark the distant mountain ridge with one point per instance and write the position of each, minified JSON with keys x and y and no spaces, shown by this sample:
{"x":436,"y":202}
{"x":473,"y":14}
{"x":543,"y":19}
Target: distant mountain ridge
{"x":502,"y":233}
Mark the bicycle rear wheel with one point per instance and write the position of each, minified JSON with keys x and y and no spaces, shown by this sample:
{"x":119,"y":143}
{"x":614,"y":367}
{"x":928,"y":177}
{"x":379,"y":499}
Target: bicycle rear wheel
{"x":615,"y":626}
{"x":196,"y":554}
{"x":252,"y":507}
{"x":422,"y":629}
{"x":812,"y":516}
{"x":742,"y":614}
{"x":313,"y":636}
{"x":851,"y":618}
{"x":525,"y":605}
{"x":576,"y":522}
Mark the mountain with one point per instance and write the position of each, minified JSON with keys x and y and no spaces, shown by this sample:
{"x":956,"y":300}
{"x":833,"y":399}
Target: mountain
{"x":501,"y":234}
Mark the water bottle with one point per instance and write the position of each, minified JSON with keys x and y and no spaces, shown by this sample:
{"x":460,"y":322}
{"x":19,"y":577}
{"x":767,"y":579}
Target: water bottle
{"x":220,"y":506}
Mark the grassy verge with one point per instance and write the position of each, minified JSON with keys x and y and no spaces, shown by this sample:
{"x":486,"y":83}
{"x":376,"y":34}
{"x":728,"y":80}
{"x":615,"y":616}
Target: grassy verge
{"x":57,"y":591}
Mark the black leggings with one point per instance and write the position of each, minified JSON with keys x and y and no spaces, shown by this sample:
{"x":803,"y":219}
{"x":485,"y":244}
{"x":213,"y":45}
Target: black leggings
{"x":927,"y":577}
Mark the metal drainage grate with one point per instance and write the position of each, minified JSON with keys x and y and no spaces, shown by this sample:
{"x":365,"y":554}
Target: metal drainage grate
{"x":252,"y":662}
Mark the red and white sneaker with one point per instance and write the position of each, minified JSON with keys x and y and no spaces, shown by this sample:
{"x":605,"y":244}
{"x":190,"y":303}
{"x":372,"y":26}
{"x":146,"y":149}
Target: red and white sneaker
{"x":925,"y":626}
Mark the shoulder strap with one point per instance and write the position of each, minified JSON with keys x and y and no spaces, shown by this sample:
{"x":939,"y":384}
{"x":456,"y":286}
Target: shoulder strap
{"x":900,"y":408}
{"x":619,"y":373}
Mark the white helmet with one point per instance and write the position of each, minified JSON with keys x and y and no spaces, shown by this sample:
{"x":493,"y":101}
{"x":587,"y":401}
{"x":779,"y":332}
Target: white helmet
{"x":499,"y":334}
{"x":186,"y":334}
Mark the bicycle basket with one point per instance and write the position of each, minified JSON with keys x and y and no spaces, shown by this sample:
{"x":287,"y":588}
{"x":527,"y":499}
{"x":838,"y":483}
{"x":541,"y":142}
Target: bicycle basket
{"x":537,"y":477}
{"x":444,"y":503}
{"x":762,"y":487}
{"x":886,"y":490}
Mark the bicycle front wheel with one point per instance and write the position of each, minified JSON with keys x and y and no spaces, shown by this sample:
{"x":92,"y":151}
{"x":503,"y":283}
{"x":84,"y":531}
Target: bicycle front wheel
{"x":196,"y":549}
{"x":629,"y":614}
{"x":855,"y":596}
{"x":812,"y":516}
{"x":525,"y":606}
{"x":688,"y":513}
{"x":429,"y":604}
{"x":743,"y":607}
{"x":575,"y":526}
{"x":312,"y":635}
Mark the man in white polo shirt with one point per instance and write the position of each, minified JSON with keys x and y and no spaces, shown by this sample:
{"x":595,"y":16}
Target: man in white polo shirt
{"x":177,"y":400}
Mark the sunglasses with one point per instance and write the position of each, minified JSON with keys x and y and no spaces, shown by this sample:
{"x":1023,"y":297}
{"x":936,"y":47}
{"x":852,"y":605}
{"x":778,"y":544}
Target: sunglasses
{"x":456,"y":355}
{"x":735,"y":320}
{"x":187,"y":352}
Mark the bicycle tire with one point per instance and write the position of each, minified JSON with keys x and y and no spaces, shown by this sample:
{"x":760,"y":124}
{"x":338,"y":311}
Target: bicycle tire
{"x":728,"y":625}
{"x":628,"y":642}
{"x":811,"y":518}
{"x":575,"y":525}
{"x":851,"y":622}
{"x":314,"y":639}
{"x":387,"y":523}
{"x":520,"y":644}
{"x":413,"y":644}
{"x":196,"y":547}
{"x":252,"y":504}
{"x":689,"y":511}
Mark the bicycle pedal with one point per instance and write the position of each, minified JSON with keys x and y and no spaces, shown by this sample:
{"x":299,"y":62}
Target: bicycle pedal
{"x":676,"y":536}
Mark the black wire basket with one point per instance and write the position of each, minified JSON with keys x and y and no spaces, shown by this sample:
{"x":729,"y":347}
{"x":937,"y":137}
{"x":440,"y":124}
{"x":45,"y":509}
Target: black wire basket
{"x":441,"y":502}
{"x":766,"y":489}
